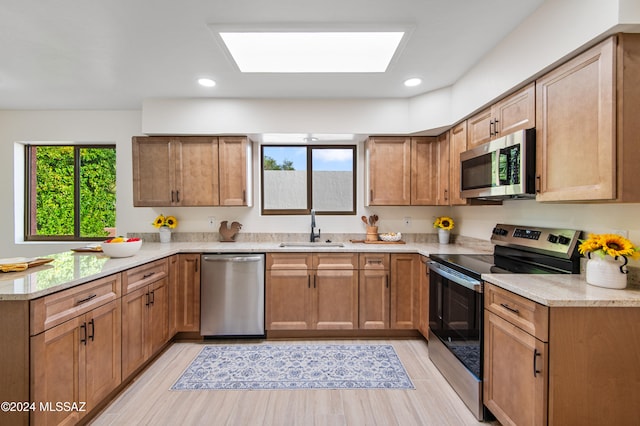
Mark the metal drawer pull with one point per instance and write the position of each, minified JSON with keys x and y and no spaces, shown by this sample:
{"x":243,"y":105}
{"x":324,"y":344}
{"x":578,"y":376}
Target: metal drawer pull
{"x":535,"y":355}
{"x":509,"y":308}
{"x":147,"y":302}
{"x":83,"y":328}
{"x":153,"y":297}
{"x":148,"y":275}
{"x":376,"y":261}
{"x":86,"y":299}
{"x":93,"y":329}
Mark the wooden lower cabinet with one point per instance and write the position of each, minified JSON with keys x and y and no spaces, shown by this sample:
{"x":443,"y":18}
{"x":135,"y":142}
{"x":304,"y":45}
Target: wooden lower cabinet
{"x":423,"y":297}
{"x":405,"y":270}
{"x":374,"y":291}
{"x":77,"y":361}
{"x":311,"y":291}
{"x":145,"y":324}
{"x":187,"y":302}
{"x":560,"y":365}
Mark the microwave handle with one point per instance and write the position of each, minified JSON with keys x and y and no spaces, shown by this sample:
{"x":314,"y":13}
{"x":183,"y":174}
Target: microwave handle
{"x":496,"y":160}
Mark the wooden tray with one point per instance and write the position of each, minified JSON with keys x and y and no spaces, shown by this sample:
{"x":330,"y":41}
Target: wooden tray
{"x":38,"y":262}
{"x":87,"y":249}
{"x":378,"y":242}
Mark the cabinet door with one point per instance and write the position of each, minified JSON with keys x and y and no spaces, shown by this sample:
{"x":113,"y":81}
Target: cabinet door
{"x":374,"y":298}
{"x":196,"y":172}
{"x":288,"y":299}
{"x":389,"y":171}
{"x":58,"y":369}
{"x":188,"y":297}
{"x":424,"y":171}
{"x":515,"y":112}
{"x":575,"y":134}
{"x":135,"y":318}
{"x":515,"y":373}
{"x":457,"y":145}
{"x":404,"y":290}
{"x":479,"y":128}
{"x":442,"y":167}
{"x":423,"y":299}
{"x":174,"y":274}
{"x":158,"y":316}
{"x":152,"y":171}
{"x":335,"y":299}
{"x":103,"y":354}
{"x":234,"y":154}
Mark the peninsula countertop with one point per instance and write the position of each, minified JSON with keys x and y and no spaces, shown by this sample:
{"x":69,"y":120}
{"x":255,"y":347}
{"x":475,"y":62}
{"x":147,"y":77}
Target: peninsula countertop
{"x":69,"y":269}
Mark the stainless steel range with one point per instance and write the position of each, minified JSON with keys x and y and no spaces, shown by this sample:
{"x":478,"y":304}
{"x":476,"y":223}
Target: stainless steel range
{"x":456,"y":297}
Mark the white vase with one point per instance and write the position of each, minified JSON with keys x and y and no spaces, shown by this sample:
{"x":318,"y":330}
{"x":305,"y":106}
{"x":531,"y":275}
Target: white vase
{"x":443,"y":236}
{"x":607,"y":272}
{"x":165,"y":234}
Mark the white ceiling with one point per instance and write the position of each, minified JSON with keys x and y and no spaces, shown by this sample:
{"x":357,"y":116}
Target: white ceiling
{"x":112,"y":54}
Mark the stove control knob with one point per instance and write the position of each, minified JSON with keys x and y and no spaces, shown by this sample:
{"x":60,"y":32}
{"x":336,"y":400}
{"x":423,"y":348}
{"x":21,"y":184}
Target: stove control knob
{"x":563,"y":240}
{"x":500,"y":231}
{"x":552,"y":238}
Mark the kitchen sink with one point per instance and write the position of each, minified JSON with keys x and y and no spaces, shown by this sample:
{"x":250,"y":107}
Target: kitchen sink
{"x":310,"y":244}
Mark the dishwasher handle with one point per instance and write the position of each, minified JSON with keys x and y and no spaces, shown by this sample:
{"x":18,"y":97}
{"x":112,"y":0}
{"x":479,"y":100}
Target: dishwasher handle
{"x":232,"y":259}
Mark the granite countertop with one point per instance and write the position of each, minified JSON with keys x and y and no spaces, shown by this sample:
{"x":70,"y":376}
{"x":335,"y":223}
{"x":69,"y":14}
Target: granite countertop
{"x":69,"y":269}
{"x":562,"y":290}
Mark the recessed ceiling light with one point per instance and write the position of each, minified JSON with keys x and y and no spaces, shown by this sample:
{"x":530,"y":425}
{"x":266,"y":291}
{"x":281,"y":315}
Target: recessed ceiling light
{"x":312,"y":52}
{"x":206,"y":82}
{"x":412,"y":82}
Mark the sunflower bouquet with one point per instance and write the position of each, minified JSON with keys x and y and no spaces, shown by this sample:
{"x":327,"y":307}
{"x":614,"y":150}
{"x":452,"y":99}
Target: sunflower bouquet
{"x":443,"y":222}
{"x":168,"y":221}
{"x":613,"y":245}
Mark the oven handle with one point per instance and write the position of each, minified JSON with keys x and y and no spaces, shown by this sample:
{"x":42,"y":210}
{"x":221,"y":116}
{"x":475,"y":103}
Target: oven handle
{"x":456,"y":277}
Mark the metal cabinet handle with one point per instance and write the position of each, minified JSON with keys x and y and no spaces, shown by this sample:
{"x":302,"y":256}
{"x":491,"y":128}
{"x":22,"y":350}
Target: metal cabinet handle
{"x":308,"y":281}
{"x":376,"y":261}
{"x":197,"y":264}
{"x":509,"y":308}
{"x":495,"y":127}
{"x":386,"y":280}
{"x":536,"y":354}
{"x":177,"y":196}
{"x":490,"y":128}
{"x":93,"y":329}
{"x":148,"y":275}
{"x":538,"y":183}
{"x":86,"y":299}
{"x":244,"y":196}
{"x":153,"y":297}
{"x":172,"y":196}
{"x":83,"y":338}
{"x":148,"y":299}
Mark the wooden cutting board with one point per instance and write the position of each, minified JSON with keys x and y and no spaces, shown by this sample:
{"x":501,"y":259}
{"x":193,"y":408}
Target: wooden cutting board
{"x":377,"y":242}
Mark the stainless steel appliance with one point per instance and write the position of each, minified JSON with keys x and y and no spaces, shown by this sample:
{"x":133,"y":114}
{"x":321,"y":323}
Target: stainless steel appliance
{"x":232,"y":295}
{"x":502,"y":168}
{"x":456,"y":298}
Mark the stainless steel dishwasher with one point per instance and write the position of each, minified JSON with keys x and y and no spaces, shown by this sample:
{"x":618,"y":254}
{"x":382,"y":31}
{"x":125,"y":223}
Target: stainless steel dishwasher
{"x":232,"y":295}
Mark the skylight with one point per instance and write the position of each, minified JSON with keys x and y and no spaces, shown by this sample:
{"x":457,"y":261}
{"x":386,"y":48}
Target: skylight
{"x":312,"y":52}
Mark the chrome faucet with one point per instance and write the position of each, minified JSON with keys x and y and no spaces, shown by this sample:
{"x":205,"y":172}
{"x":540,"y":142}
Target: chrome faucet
{"x":313,"y":227}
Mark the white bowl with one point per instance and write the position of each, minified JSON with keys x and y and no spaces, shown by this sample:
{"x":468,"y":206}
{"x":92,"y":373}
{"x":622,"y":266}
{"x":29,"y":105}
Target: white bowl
{"x":123,"y":249}
{"x":391,"y":236}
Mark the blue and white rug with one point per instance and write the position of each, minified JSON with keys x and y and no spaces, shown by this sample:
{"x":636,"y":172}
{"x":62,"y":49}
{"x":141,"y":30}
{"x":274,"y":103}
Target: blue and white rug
{"x":253,"y":367}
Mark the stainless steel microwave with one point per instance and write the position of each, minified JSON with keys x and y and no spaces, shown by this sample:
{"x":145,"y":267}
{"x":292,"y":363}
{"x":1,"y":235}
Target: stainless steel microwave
{"x":502,"y":168}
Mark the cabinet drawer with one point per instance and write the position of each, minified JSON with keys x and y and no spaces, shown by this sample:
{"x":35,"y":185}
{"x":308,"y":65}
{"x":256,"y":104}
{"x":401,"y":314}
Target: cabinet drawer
{"x":335,"y":260}
{"x":374,"y":261}
{"x":54,"y":309}
{"x":140,"y":276}
{"x":288,"y":260}
{"x":526,"y":314}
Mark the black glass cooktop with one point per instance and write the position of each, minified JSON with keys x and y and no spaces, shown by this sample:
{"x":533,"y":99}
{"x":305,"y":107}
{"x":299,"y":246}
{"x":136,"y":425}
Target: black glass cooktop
{"x":475,"y":265}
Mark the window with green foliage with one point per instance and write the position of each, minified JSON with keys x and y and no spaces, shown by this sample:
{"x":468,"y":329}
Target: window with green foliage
{"x":71,"y":192}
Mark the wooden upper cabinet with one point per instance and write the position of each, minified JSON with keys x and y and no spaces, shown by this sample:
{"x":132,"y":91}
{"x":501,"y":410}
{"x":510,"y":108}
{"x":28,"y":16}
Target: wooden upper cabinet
{"x":424,"y":176}
{"x":457,"y":145}
{"x":442,"y":171}
{"x":586,"y":137}
{"x":389,"y":171}
{"x":235,"y":172}
{"x":515,"y":112}
{"x":191,"y":171}
{"x":196,"y":171}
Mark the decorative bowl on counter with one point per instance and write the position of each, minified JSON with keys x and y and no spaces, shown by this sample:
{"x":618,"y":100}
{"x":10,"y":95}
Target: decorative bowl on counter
{"x":121,"y":247}
{"x":391,"y":236}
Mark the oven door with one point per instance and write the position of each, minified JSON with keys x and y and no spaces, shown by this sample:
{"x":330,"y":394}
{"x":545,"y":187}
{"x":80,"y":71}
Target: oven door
{"x":455,"y":315}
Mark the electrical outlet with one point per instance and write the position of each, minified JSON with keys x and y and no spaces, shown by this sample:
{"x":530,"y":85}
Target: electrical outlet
{"x":407,"y":221}
{"x":212,"y":222}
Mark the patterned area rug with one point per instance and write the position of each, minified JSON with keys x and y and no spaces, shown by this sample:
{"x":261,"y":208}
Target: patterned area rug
{"x":253,"y":367}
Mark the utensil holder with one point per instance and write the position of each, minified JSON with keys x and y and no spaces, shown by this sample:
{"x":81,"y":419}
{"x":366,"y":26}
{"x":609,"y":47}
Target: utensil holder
{"x":372,"y":233}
